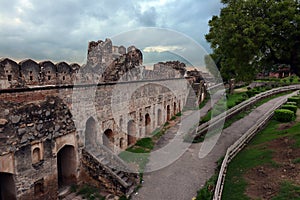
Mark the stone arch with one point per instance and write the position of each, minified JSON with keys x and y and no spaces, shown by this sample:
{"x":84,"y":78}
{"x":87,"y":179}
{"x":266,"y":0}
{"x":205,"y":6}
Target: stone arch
{"x":168,"y":113}
{"x":90,"y":132}
{"x":108,"y":138}
{"x":147,"y":124}
{"x":131,"y":132}
{"x":7,"y":186}
{"x":66,"y":166}
{"x":159,"y":117}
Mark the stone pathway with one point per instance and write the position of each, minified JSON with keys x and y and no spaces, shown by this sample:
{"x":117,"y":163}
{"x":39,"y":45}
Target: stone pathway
{"x":182,"y":179}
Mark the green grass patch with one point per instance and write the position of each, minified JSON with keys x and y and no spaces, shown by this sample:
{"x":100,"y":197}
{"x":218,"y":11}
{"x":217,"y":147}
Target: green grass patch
{"x":296,"y":161}
{"x":236,"y":98}
{"x":146,"y":143}
{"x":288,"y":191}
{"x":178,"y":114}
{"x":173,"y":118}
{"x":248,"y":158}
{"x":204,"y":102}
{"x":90,"y":193}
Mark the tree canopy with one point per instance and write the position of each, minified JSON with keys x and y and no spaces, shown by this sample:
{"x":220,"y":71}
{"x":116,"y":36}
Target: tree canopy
{"x":251,"y":36}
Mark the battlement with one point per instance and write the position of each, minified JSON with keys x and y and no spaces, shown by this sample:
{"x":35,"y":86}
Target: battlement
{"x":30,"y":73}
{"x":105,"y":63}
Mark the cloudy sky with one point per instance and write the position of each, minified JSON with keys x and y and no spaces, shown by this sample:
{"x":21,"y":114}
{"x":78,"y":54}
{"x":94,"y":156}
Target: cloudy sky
{"x":59,"y":30}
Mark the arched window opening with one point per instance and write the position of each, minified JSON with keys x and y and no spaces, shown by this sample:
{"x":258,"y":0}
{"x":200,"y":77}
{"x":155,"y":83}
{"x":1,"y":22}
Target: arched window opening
{"x":147,"y":124}
{"x":108,"y":138}
{"x":168,"y":113}
{"x":131,"y":133}
{"x":36,"y":155}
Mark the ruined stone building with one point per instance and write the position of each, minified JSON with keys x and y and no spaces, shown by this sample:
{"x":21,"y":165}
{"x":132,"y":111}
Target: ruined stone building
{"x":64,"y":124}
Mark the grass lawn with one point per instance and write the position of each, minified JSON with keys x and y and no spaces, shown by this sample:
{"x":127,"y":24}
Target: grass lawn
{"x":259,"y":154}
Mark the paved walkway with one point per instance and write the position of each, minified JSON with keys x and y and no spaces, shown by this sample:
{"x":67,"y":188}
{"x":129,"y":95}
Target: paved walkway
{"x":182,"y":179}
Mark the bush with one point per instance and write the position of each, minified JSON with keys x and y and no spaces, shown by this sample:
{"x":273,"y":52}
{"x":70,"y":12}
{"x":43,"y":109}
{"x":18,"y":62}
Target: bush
{"x":291,"y":103}
{"x":295,"y":99}
{"x":284,"y":115}
{"x":250,"y":93}
{"x":290,"y":107}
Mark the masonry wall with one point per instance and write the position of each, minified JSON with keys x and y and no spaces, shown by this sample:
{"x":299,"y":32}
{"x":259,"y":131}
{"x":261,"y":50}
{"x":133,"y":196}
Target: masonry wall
{"x":31,"y":137}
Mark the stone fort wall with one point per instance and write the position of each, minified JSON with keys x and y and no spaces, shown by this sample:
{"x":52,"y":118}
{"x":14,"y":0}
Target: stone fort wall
{"x":51,"y":112}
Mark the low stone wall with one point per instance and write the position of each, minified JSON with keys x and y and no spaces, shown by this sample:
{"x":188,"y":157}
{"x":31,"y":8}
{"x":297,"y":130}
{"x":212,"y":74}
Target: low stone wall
{"x":104,"y":178}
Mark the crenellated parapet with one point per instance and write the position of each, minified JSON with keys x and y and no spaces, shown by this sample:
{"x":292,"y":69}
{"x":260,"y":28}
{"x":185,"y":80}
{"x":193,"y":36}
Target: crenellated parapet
{"x":29,"y":73}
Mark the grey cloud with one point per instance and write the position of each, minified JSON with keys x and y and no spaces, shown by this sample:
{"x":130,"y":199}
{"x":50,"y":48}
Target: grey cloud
{"x":148,"y":17}
{"x":60,"y":30}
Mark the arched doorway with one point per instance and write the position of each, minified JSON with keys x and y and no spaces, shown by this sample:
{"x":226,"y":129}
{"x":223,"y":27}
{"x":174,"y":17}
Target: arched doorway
{"x":90,"y":132}
{"x":174,"y":108}
{"x":108,"y":138}
{"x":66,"y":166}
{"x":159,"y":117}
{"x":7,"y":186}
{"x":131,"y":133}
{"x":168,"y":113}
{"x":147,"y":124}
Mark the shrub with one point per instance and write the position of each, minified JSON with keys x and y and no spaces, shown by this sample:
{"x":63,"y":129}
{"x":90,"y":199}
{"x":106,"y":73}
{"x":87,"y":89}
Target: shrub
{"x":284,"y":115}
{"x":291,"y":103}
{"x":290,"y":107}
{"x":295,"y":99}
{"x":250,"y":93}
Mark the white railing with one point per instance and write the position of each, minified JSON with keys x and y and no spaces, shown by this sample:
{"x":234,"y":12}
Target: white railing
{"x":236,"y":109}
{"x":240,"y":143}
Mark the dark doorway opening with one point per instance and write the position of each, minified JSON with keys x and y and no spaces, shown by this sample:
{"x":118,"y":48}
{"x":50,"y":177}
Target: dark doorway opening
{"x":66,"y":166}
{"x":147,"y":124}
{"x":7,"y":187}
{"x":168,"y":113}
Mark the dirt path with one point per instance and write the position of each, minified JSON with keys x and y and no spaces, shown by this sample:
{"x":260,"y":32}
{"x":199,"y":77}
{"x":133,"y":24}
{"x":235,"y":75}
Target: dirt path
{"x":182,"y":179}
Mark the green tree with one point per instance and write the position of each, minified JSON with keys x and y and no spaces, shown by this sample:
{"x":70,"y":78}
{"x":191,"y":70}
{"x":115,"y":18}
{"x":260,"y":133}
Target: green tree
{"x":251,"y":36}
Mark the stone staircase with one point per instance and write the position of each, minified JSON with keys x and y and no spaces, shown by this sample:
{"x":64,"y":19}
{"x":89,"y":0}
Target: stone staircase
{"x":117,"y":169}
